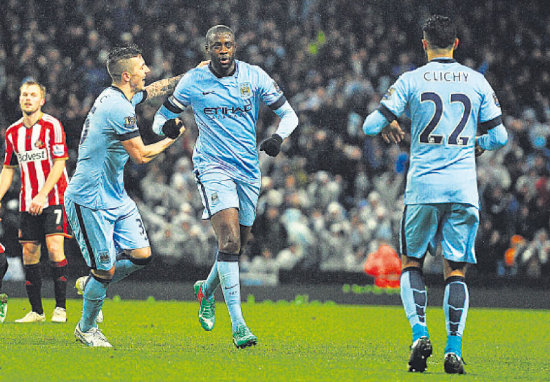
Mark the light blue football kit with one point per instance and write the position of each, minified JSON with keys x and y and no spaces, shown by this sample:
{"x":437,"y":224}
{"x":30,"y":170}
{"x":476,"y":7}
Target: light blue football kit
{"x":103,"y":217}
{"x":446,"y":102}
{"x":225,"y":156}
{"x":105,"y":221}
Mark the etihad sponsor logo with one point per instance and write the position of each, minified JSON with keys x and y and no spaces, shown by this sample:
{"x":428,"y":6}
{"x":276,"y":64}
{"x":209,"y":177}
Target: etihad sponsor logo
{"x":227,"y":110}
{"x":32,"y":156}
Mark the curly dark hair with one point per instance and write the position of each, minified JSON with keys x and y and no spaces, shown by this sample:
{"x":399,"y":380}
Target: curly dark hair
{"x":439,"y":31}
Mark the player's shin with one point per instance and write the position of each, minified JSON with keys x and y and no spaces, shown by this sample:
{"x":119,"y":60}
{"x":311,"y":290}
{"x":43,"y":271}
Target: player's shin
{"x":33,"y":285}
{"x":455,"y":305}
{"x":126,"y":265}
{"x":414,"y":299}
{"x":94,"y":295}
{"x":59,"y":275}
{"x":212,"y":282}
{"x":228,"y":271}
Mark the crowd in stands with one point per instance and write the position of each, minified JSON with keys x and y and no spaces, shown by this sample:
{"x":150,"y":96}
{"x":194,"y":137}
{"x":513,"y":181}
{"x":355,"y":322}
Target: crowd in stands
{"x":333,"y":195}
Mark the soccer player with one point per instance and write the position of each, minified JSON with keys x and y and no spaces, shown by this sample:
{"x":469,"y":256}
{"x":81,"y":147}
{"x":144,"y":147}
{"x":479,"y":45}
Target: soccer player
{"x":3,"y":296}
{"x":36,"y":143}
{"x":105,"y":221}
{"x":225,"y":98}
{"x":446,"y":102}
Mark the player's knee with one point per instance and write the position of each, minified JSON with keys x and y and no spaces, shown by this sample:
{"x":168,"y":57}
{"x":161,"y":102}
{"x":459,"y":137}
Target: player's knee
{"x":230,"y":244}
{"x":31,"y":253}
{"x":103,"y":276}
{"x":141,"y":256}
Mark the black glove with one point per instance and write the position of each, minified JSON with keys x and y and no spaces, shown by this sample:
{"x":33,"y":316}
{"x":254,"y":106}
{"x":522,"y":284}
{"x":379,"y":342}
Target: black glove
{"x":171,"y":128}
{"x":272,"y":145}
{"x":478,"y":150}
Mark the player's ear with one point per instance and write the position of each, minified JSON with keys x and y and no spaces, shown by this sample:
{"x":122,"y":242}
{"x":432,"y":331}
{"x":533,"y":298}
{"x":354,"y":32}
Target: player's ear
{"x":425,"y":44}
{"x":455,"y":45}
{"x":125,"y":76}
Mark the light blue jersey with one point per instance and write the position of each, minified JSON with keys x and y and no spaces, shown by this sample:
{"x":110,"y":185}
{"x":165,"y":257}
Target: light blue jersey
{"x":226,"y":112}
{"x":98,"y":180}
{"x":446,"y":102}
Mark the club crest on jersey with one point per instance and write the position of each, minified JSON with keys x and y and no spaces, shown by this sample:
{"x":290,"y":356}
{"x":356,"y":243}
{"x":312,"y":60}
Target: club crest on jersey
{"x":40,"y":144}
{"x":129,"y":121}
{"x":246,"y":90}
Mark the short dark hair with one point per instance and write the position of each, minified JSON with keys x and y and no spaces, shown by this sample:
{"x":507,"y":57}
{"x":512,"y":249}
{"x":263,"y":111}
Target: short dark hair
{"x":116,"y":58}
{"x":218,"y":29}
{"x":440,"y":31}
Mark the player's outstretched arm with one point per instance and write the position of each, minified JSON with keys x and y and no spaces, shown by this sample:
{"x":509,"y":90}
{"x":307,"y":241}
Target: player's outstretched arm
{"x":160,"y":89}
{"x":141,"y":153}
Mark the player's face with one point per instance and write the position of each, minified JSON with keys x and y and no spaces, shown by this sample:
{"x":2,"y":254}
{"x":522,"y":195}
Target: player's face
{"x":138,"y":74}
{"x":221,"y":49}
{"x":30,"y":99}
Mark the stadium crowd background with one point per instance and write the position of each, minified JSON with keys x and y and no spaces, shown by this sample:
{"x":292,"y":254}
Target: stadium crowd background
{"x":333,"y":195}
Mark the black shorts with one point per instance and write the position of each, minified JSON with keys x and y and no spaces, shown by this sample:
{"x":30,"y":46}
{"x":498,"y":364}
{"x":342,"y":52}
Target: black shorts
{"x":52,"y":221}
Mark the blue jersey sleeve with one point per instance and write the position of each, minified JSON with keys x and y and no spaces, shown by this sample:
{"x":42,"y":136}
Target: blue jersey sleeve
{"x":395,"y":100}
{"x":270,"y":93}
{"x":123,"y":120}
{"x":181,"y":97}
{"x":490,"y":114}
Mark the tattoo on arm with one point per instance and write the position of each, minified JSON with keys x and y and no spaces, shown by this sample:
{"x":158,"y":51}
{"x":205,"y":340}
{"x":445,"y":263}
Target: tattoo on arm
{"x":162,"y":88}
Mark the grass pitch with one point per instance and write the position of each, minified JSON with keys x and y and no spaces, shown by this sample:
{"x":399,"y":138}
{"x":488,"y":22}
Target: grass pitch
{"x":163,"y":341}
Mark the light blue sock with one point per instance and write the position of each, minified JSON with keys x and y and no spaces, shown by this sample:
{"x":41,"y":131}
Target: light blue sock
{"x":212,"y":282}
{"x":414,"y":299}
{"x":94,"y":295}
{"x":455,"y":305}
{"x":228,"y":272}
{"x":125,"y":266}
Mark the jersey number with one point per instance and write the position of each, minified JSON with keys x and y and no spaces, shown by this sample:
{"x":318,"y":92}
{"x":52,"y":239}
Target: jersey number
{"x":426,"y":135}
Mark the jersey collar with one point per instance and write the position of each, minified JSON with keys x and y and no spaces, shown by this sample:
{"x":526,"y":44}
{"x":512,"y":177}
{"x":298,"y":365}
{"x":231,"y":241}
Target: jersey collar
{"x":229,"y":75}
{"x":443,"y":60}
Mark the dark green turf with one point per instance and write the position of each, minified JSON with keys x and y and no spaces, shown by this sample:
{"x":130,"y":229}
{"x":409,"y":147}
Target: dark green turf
{"x":163,"y":341}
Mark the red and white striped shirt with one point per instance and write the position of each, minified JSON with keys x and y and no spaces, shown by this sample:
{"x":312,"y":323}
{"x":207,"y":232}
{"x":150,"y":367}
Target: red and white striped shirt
{"x":36,"y":148}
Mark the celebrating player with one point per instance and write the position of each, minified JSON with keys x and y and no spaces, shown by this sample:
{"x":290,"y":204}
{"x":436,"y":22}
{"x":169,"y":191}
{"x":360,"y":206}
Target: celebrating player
{"x":105,"y":221}
{"x":225,"y":97}
{"x":446,"y":102}
{"x":37,"y":144}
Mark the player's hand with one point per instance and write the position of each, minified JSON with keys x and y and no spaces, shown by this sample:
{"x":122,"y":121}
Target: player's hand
{"x":393,"y":133}
{"x":478,"y":150}
{"x":37,"y":204}
{"x":173,"y":128}
{"x":203,"y":63}
{"x":272,"y":145}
